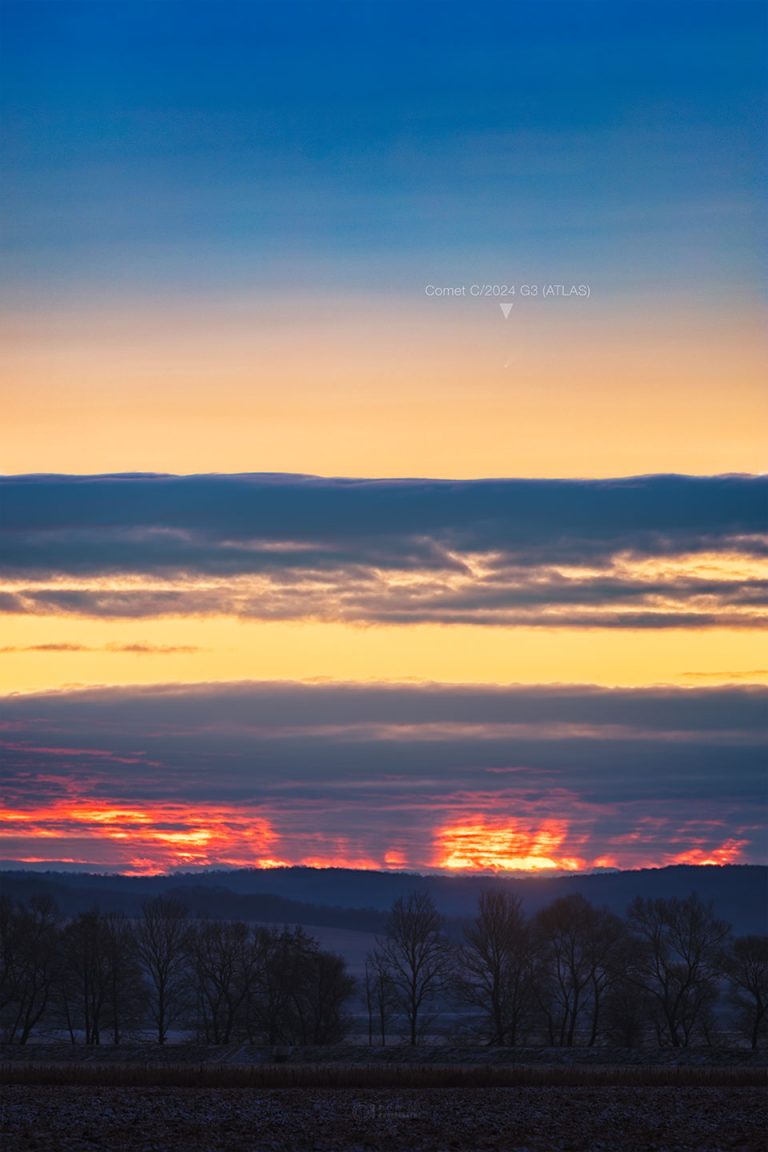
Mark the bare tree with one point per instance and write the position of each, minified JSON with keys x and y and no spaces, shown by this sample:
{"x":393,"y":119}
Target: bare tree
{"x":675,"y":962}
{"x":495,"y":968}
{"x":85,"y":971}
{"x":418,"y":956}
{"x":271,"y":1008}
{"x":224,"y":964}
{"x":33,"y":958}
{"x":320,"y":997}
{"x":299,"y":991}
{"x":608,"y":952}
{"x":380,"y":995}
{"x":564,"y":932}
{"x":162,"y":941}
{"x":625,"y":1014}
{"x":745,"y":967}
{"x":9,"y":960}
{"x":126,"y":996}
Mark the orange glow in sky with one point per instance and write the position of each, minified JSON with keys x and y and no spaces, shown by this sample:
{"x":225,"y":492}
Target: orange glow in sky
{"x":161,"y":836}
{"x":187,"y":385}
{"x":151,"y":838}
{"x":729,"y":852}
{"x":508,"y":846}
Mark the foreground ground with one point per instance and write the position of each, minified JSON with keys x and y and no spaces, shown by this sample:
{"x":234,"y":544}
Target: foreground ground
{"x":39,"y":1118}
{"x":239,"y":1099}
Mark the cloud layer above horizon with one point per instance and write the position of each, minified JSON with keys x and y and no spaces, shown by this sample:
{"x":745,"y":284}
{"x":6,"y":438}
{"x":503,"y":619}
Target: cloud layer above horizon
{"x":422,"y":777}
{"x":644,"y":552}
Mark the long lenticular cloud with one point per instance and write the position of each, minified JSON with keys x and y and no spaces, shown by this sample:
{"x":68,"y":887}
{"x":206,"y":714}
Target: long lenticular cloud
{"x":645,"y":552}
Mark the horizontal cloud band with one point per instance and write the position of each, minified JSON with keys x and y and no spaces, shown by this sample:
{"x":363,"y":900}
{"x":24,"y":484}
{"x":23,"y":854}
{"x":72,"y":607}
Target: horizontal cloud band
{"x":656,"y":551}
{"x":400,"y":775}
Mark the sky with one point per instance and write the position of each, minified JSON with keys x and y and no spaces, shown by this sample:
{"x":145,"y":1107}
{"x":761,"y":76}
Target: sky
{"x":309,"y":553}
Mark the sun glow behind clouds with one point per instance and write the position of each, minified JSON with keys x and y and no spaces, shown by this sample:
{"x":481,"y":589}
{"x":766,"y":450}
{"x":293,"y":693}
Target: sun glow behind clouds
{"x":508,"y":846}
{"x":161,"y":836}
{"x":416,"y":777}
{"x":721,"y":589}
{"x":146,"y":839}
{"x":729,"y":852}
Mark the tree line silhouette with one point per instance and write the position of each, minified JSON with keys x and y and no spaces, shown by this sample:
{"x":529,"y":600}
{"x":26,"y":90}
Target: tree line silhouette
{"x":102,"y":976}
{"x":670,"y":973}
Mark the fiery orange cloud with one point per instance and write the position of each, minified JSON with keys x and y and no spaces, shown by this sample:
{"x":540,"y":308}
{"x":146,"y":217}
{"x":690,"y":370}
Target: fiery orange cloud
{"x":159,"y":837}
{"x":150,"y":838}
{"x":508,"y":846}
{"x":479,"y":843}
{"x":729,"y":852}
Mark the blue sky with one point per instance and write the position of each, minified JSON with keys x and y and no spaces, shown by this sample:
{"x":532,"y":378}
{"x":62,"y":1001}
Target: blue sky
{"x":218,"y":145}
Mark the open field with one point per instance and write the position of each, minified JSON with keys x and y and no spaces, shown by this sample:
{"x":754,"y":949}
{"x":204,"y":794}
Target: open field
{"x":244,"y":1056}
{"x":377,"y":1076}
{"x":190,"y":1099}
{"x":522,"y":1119}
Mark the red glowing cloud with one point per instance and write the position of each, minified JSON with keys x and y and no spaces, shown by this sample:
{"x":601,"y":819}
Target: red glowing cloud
{"x":729,"y":852}
{"x":160,"y":836}
{"x":143,"y":838}
{"x":405,"y":777}
{"x":51,"y":818}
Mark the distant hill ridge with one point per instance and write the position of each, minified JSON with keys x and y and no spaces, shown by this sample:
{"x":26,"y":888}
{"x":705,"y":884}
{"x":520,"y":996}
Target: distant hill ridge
{"x":357,"y":899}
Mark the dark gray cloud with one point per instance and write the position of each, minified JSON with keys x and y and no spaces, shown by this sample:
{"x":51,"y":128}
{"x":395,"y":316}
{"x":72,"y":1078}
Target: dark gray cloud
{"x":255,"y":705}
{"x":495,"y":552}
{"x":151,"y":522}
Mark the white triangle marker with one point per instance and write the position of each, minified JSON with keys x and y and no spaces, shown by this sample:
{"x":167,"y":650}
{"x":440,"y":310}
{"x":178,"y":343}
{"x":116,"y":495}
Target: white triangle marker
{"x":506,"y":309}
